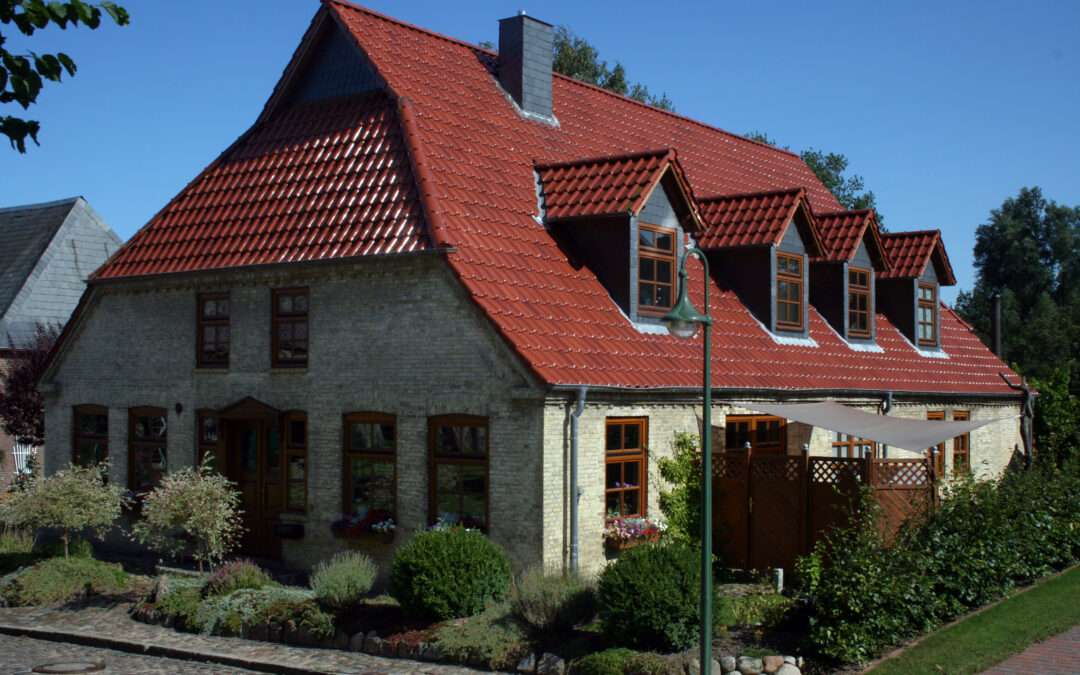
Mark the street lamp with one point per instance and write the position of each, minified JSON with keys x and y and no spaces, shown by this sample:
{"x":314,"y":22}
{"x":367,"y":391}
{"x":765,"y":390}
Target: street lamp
{"x":683,"y":321}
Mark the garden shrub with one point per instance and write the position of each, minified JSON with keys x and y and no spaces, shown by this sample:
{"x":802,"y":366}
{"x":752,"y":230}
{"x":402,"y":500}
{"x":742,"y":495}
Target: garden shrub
{"x":448,"y":573}
{"x":77,"y":548}
{"x":185,"y":599}
{"x":552,"y":602}
{"x":681,"y":505}
{"x":492,"y":639}
{"x":650,"y":598}
{"x":608,"y":662}
{"x":16,"y":549}
{"x":297,"y":605}
{"x":233,"y":576}
{"x":648,"y":663}
{"x":344,"y":580}
{"x":59,"y":580}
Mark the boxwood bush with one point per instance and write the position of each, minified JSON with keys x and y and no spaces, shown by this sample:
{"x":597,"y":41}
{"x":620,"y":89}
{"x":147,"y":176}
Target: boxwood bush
{"x":448,"y":573}
{"x":62,"y":580}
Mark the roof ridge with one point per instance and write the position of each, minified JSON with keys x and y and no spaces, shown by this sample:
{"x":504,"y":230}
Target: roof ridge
{"x":911,"y":233}
{"x":406,"y":24}
{"x":747,"y":195}
{"x":844,"y":212}
{"x":600,"y":159}
{"x":41,"y":205}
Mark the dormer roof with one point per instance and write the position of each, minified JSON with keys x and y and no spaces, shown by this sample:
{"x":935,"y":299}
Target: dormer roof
{"x":758,"y":218}
{"x":910,"y":252}
{"x":614,"y":185}
{"x":843,"y":231}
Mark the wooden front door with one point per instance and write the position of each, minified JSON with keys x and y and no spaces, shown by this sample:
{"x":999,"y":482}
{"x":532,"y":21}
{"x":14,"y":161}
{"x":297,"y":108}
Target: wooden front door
{"x":254,"y":462}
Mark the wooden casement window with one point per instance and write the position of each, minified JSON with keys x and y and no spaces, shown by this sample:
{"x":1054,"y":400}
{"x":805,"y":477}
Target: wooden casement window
{"x":213,"y":321}
{"x":91,"y":438}
{"x":656,"y":268}
{"x":296,"y":450}
{"x":459,"y":470}
{"x":370,"y":469}
{"x":927,"y":314}
{"x":858,"y":302}
{"x":937,"y":451}
{"x":208,"y":435}
{"x":789,"y":291}
{"x":764,"y":433}
{"x":961,"y":453}
{"x":844,"y":445}
{"x":290,"y":328}
{"x":625,"y":467}
{"x":147,"y":447}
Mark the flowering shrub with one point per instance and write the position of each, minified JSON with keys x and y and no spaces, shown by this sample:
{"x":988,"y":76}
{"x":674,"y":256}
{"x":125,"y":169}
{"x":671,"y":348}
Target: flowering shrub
{"x":235,"y":575}
{"x":374,"y":520}
{"x":633,"y":529}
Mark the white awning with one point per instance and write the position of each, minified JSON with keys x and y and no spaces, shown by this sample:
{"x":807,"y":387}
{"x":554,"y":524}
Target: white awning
{"x":898,"y":432}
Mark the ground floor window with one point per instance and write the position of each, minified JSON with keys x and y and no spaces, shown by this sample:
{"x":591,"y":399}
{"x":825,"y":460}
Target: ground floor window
{"x":937,"y":452}
{"x":208,"y":438}
{"x":147,"y":447}
{"x":459,"y":470}
{"x":370,"y":470}
{"x":91,"y":438}
{"x":961,"y":445}
{"x":762,"y":432}
{"x":844,"y":445}
{"x":625,"y":467}
{"x":296,"y":445}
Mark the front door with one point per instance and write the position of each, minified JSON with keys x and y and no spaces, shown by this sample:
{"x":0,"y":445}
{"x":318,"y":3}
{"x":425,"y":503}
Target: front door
{"x":253,"y":461}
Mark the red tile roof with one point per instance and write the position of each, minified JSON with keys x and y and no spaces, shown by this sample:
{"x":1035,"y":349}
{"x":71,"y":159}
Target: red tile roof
{"x":337,"y":178}
{"x":911,"y":251}
{"x":750,"y":219}
{"x":842,"y":231}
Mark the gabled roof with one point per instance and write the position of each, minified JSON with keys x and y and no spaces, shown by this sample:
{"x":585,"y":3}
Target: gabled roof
{"x":756,"y":219}
{"x":910,"y":252}
{"x":26,"y":232}
{"x":607,"y":186}
{"x":842,"y":231}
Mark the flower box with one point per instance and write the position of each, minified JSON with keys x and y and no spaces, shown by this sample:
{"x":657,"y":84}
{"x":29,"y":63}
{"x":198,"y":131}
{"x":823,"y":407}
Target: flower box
{"x":620,"y":544}
{"x":370,"y":537}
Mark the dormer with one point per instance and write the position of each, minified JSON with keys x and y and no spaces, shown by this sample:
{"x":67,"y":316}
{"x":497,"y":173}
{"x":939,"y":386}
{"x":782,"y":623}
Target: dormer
{"x":842,"y":281}
{"x":909,"y":292}
{"x":762,"y":244}
{"x":626,"y":218}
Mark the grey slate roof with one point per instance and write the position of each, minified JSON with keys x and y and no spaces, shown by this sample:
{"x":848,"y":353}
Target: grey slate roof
{"x":48,"y":251}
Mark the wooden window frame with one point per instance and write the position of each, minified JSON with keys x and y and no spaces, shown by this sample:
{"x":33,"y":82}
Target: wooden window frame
{"x":658,"y":255}
{"x":850,"y":446}
{"x":459,"y":459}
{"x":292,"y":318}
{"x":204,"y":444}
{"x":937,"y":452}
{"x":626,"y":456}
{"x":78,"y":436}
{"x":799,"y":280}
{"x":217,"y":322}
{"x":754,"y":433}
{"x":372,"y":454}
{"x":148,"y":442}
{"x":858,"y":291}
{"x":930,"y":304}
{"x":294,"y":448}
{"x":962,"y":444}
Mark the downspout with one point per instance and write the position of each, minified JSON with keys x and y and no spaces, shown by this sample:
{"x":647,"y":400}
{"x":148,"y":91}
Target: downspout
{"x":575,"y":491}
{"x":886,"y":406}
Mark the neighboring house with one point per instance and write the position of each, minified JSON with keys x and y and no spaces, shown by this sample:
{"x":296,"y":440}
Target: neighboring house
{"x":392,"y":293}
{"x":49,"y":250}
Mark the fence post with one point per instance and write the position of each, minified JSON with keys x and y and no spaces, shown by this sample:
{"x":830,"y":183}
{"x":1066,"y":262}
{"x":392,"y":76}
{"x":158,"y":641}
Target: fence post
{"x":804,"y":500}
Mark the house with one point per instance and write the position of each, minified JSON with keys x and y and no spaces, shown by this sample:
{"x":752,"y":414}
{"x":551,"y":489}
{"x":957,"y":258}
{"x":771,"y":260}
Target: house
{"x":49,"y":251}
{"x":428,"y":283}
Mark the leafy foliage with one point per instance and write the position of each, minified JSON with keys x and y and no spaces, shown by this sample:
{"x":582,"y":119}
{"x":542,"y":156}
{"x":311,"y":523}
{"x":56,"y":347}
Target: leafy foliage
{"x":552,"y":602}
{"x":608,"y":662}
{"x":197,"y":503}
{"x":74,"y":499}
{"x":490,"y":639}
{"x":22,"y":75}
{"x":22,"y":410}
{"x":62,"y":580}
{"x":234,"y":575}
{"x":448,"y":573}
{"x":576,"y":58}
{"x":344,"y":580}
{"x":682,"y":504}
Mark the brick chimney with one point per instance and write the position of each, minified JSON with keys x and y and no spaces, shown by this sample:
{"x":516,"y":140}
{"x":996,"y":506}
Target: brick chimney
{"x":525,"y":52}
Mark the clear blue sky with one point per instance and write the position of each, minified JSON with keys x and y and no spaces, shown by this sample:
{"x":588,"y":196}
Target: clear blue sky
{"x":945,"y":109}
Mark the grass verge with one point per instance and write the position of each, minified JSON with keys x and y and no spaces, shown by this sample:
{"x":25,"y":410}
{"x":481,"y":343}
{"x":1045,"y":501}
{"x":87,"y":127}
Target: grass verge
{"x":990,"y":637}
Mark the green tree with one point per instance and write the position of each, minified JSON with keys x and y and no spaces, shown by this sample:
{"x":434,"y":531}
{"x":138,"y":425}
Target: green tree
{"x":22,"y":75}
{"x":22,"y":410}
{"x":576,"y":58}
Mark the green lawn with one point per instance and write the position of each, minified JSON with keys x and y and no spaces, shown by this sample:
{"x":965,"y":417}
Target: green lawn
{"x":983,"y":640}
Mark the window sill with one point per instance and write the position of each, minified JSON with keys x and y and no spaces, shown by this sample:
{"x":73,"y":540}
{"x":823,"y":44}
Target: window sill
{"x":613,"y":545}
{"x":287,"y":517}
{"x":212,"y":371}
{"x":291,"y":371}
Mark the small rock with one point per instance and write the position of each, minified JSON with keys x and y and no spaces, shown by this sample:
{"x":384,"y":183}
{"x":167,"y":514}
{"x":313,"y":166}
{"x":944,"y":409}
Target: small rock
{"x":750,"y":665}
{"x":789,"y":659}
{"x":772,"y":663}
{"x":288,"y":635}
{"x":304,"y":637}
{"x":168,"y":621}
{"x":161,"y":589}
{"x":260,"y":631}
{"x":373,"y":643}
{"x":405,"y":650}
{"x":341,"y":640}
{"x":428,"y":652}
{"x":356,"y":643}
{"x":274,"y":632}
{"x":181,"y":623}
{"x":799,"y":662}
{"x":389,"y":650}
{"x":527,"y":664}
{"x":788,"y":669}
{"x":727,"y":664}
{"x":693,"y":667}
{"x":551,"y":664}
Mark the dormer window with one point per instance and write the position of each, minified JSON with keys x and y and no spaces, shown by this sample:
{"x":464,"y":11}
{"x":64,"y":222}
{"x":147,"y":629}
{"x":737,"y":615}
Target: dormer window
{"x":858,"y":302}
{"x":927,"y":314}
{"x":656,"y":268}
{"x":789,"y":292}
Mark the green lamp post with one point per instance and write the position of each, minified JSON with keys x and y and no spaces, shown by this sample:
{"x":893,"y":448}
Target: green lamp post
{"x":683,"y":321}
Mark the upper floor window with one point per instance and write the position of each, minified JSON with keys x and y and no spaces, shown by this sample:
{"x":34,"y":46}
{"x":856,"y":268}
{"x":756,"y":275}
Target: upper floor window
{"x":147,"y":447}
{"x":760,"y":432}
{"x":213,"y":342}
{"x":91,"y":439}
{"x":290,"y":328}
{"x":370,"y":467}
{"x":656,"y":268}
{"x":844,"y":445}
{"x":927,"y":324}
{"x":858,"y":302}
{"x":459,"y":470}
{"x":961,"y":452}
{"x":624,"y":467}
{"x":789,"y":291}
